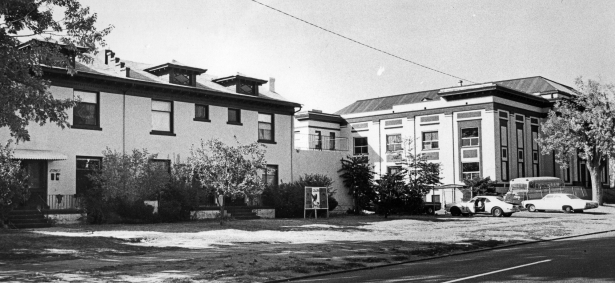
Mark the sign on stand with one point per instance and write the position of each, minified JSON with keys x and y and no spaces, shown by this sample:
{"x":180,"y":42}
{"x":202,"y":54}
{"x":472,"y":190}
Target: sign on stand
{"x":316,"y":198}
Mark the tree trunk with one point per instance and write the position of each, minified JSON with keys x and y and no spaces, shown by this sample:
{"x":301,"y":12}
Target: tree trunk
{"x":596,"y":184}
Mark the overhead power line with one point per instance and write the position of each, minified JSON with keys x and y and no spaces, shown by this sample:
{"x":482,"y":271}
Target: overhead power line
{"x":361,"y":43}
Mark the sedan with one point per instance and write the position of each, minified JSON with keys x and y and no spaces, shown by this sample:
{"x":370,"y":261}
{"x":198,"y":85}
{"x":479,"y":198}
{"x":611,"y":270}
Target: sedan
{"x":565,"y":202}
{"x":493,"y":205}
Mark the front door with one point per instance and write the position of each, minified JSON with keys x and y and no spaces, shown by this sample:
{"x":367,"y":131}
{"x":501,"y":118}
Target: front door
{"x":37,"y":181}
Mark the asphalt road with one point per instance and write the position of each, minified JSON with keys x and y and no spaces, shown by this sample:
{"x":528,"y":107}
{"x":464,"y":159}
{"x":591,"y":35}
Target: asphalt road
{"x":587,"y":259}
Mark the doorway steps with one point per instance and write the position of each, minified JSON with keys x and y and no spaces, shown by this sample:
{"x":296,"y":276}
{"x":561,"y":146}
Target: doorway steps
{"x":241,"y":212}
{"x":27,"y":218}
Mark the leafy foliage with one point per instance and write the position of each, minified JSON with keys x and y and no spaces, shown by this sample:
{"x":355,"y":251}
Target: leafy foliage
{"x":358,"y":177}
{"x":583,"y":126}
{"x":122,"y":184}
{"x":390,"y":189}
{"x":229,"y":170}
{"x":13,"y":183}
{"x":288,"y":198}
{"x":24,"y":94}
{"x":481,"y":186}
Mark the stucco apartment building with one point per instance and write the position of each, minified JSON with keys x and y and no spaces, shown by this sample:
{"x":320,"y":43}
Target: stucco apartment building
{"x":486,"y":130}
{"x":164,"y":108}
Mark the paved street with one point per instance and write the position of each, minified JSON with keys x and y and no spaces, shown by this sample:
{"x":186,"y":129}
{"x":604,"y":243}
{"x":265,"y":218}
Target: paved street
{"x":587,"y":259}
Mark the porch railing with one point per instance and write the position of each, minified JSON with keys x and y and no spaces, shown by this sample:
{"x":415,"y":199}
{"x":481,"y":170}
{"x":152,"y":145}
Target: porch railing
{"x":63,"y":202}
{"x":316,"y":142}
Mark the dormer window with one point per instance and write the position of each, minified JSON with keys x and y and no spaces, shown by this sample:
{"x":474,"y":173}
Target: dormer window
{"x":246,"y":87}
{"x":177,"y":73}
{"x":241,"y":84}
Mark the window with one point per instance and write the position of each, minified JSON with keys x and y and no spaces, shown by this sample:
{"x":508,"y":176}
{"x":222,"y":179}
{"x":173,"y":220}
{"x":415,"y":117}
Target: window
{"x":234,"y":116}
{"x":162,"y":117}
{"x":331,"y":141}
{"x":270,"y":175}
{"x":393,"y":169}
{"x":535,"y":155}
{"x":265,"y":127}
{"x":430,"y":140}
{"x":469,"y":137}
{"x":201,"y":113}
{"x":85,"y":166}
{"x":504,"y":147}
{"x":360,"y":146}
{"x":394,"y":143}
{"x":246,"y":87}
{"x":520,"y":151}
{"x":161,"y":164}
{"x":86,"y":112}
{"x":470,"y":170}
{"x":181,"y":78}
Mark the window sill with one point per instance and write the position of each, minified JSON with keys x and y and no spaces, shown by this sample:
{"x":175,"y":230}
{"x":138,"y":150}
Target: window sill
{"x":86,"y":127}
{"x":235,"y":123}
{"x":160,"y":133}
{"x":267,"y":141}
{"x":201,"y":120}
{"x":431,"y":149}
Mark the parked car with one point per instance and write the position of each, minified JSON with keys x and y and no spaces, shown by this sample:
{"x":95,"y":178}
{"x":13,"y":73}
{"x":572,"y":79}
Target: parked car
{"x":494,"y":205}
{"x":431,"y":207}
{"x":565,"y":202}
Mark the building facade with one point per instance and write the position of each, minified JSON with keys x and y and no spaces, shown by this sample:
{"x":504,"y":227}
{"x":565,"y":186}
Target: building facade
{"x":164,"y":108}
{"x":481,"y":130}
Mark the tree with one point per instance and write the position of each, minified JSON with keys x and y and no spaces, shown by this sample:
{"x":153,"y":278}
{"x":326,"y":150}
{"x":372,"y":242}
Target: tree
{"x":229,"y":171}
{"x":358,"y":177}
{"x":481,"y":186}
{"x":391,"y":189}
{"x":423,"y":176}
{"x":24,"y":94}
{"x":13,"y":183}
{"x":583,"y":125}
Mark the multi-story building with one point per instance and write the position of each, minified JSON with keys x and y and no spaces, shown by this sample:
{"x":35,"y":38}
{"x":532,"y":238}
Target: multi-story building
{"x":480,"y":130}
{"x":165,"y":108}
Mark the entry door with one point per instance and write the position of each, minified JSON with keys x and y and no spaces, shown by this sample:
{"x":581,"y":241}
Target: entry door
{"x":583,"y":175}
{"x":37,"y":180}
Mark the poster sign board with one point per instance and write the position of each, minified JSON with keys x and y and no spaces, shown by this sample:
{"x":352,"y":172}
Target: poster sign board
{"x":316,"y":198}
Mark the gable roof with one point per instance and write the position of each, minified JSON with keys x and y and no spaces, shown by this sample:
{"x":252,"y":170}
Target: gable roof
{"x":138,"y":72}
{"x":531,"y":85}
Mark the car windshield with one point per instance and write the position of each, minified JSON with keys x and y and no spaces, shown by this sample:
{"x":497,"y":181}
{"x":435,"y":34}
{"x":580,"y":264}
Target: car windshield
{"x":500,"y":198}
{"x":572,"y":197}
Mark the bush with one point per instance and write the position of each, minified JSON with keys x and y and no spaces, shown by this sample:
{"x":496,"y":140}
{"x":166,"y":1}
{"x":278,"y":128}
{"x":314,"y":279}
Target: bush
{"x":288,"y":198}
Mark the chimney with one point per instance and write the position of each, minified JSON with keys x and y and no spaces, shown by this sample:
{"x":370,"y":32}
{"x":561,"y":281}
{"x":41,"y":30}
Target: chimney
{"x":109,"y":56}
{"x":272,"y":84}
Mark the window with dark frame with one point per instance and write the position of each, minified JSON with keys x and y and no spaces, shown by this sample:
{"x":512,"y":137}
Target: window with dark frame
{"x":162,"y":116}
{"x":504,"y":148}
{"x":470,"y":170}
{"x":318,"y":140}
{"x":394,"y":143}
{"x":85,"y":166}
{"x":161,"y":164}
{"x":430,"y":140}
{"x":469,"y":137}
{"x":234,"y":116}
{"x":86,"y":113}
{"x":265,"y":127}
{"x":247,"y":87}
{"x":360,"y":146}
{"x":270,"y":175}
{"x":331,"y":141}
{"x":201,"y":112}
{"x":393,"y":169}
{"x":535,"y":154}
{"x":520,"y":150}
{"x":181,"y":78}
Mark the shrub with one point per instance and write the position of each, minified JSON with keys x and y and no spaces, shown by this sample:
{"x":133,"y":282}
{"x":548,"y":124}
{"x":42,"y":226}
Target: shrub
{"x":13,"y":183}
{"x":288,"y":198}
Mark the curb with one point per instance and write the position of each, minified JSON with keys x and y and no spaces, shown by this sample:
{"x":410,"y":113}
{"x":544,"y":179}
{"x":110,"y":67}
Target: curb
{"x":436,"y":257}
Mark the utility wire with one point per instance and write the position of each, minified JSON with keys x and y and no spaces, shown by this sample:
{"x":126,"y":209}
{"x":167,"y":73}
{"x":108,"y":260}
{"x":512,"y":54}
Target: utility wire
{"x":360,"y":43}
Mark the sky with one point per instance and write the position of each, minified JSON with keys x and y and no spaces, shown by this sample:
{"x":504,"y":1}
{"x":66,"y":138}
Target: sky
{"x":480,"y":41}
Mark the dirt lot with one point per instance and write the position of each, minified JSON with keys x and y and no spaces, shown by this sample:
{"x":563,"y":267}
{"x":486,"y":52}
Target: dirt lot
{"x":261,"y":250}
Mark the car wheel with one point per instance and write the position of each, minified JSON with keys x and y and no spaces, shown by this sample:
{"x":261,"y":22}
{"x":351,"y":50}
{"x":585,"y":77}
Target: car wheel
{"x":567,"y":209}
{"x":578,"y":211}
{"x":455,"y":211}
{"x":497,"y":212}
{"x":429,"y":210}
{"x":531,"y":208}
{"x":507,"y":214}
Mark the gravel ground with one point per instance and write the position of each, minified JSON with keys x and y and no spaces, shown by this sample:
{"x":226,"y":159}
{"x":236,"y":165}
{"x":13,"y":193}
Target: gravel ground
{"x":261,"y":250}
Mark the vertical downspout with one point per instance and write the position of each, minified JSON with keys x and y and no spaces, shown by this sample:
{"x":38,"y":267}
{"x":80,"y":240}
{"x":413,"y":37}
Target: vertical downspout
{"x":454,"y":162}
{"x":124,"y":119}
{"x":292,"y":146}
